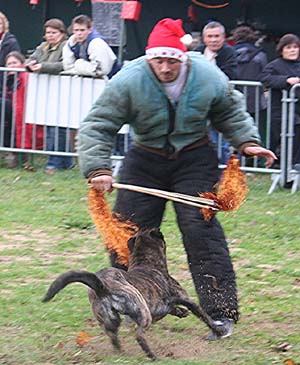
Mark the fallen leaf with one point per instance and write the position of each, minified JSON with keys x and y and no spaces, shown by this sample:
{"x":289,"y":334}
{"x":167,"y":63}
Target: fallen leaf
{"x":83,"y":338}
{"x":290,"y":362}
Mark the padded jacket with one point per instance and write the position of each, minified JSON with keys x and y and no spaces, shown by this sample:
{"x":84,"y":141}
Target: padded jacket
{"x":135,"y":96}
{"x":251,"y":61}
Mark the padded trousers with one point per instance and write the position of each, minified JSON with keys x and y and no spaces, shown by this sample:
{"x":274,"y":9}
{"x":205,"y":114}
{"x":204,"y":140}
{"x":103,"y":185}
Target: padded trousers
{"x":191,"y":172}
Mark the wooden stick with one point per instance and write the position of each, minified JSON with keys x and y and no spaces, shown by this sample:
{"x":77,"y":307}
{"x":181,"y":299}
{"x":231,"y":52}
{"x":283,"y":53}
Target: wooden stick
{"x":193,"y":198}
{"x":181,"y":198}
{"x":166,"y":194}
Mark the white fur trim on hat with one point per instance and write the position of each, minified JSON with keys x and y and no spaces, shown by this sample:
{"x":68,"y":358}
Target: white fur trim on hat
{"x":167,"y":52}
{"x":187,"y":39}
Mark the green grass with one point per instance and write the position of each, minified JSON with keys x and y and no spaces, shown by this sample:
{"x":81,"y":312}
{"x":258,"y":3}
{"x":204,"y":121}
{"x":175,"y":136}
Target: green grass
{"x":46,"y":229}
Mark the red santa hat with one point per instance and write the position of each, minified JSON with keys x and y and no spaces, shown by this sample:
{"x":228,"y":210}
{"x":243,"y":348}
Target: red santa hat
{"x":168,"y":39}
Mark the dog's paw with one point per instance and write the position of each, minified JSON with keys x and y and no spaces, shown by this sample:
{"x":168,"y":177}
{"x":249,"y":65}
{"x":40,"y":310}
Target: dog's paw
{"x":180,"y":312}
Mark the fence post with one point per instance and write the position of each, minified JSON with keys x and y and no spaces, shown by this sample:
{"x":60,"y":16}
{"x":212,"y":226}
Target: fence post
{"x":292,"y":175}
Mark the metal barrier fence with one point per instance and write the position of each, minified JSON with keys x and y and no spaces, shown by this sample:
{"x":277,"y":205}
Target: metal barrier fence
{"x":288,"y":134}
{"x":40,"y":113}
{"x":34,"y":105}
{"x":48,"y":105}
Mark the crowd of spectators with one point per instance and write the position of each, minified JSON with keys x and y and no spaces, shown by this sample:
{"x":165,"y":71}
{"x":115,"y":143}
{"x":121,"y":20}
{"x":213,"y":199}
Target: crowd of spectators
{"x":242,"y":56}
{"x":84,"y":53}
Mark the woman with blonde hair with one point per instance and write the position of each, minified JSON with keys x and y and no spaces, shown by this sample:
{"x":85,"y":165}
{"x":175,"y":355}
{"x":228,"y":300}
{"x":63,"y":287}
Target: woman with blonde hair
{"x":8,"y":41}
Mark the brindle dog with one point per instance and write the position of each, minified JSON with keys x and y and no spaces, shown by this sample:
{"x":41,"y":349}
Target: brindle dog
{"x":145,"y":293}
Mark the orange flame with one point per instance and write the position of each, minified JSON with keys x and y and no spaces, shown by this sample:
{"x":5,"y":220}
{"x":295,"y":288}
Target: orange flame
{"x":114,"y":231}
{"x":231,"y":191}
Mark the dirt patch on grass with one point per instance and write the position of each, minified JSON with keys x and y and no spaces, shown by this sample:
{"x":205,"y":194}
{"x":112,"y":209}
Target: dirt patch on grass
{"x":170,"y":343}
{"x":42,"y":242}
{"x":19,"y":236}
{"x":189,"y":345}
{"x":9,"y":259}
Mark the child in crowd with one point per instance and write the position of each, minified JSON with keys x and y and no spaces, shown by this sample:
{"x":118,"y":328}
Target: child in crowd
{"x":27,"y":136}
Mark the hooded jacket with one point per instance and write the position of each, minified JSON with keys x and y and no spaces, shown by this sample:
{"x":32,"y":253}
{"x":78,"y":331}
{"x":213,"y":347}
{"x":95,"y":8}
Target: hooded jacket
{"x":251,"y":60}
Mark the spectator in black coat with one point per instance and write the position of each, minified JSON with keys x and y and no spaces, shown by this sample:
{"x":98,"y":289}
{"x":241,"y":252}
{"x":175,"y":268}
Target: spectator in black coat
{"x":281,"y":74}
{"x":8,"y":43}
{"x":251,"y":60}
{"x":215,"y":49}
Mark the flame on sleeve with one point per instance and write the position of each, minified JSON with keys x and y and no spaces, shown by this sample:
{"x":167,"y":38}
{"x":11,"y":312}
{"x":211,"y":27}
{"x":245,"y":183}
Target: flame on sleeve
{"x":230,"y":192}
{"x":113,"y":229}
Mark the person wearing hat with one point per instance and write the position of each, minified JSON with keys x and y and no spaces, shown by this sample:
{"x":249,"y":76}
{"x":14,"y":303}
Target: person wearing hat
{"x":168,"y":96}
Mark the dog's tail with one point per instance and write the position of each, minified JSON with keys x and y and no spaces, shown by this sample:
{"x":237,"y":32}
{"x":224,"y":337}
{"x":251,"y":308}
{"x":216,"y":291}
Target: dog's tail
{"x":199,"y":312}
{"x":73,"y":276}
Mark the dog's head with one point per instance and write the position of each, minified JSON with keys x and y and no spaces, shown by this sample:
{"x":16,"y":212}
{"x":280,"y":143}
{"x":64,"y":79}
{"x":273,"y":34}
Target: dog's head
{"x":148,"y":247}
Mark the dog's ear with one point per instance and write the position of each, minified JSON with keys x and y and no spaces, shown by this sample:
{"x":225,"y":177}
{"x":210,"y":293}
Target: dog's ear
{"x":131,"y":243}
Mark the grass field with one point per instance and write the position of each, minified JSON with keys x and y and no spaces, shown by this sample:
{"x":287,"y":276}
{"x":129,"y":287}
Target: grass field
{"x":46,"y":229}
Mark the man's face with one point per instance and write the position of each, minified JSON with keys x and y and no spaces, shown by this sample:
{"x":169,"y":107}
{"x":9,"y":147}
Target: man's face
{"x":81,"y":32}
{"x":165,"y":69}
{"x":213,"y":38}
